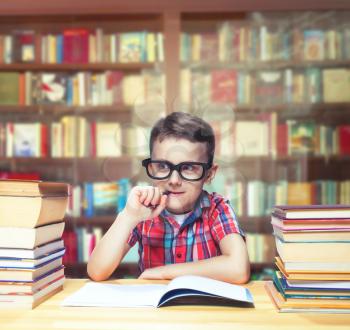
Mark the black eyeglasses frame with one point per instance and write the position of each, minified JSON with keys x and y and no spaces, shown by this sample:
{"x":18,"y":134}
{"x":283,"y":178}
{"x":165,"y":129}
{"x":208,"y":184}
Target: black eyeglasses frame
{"x":177,"y":167}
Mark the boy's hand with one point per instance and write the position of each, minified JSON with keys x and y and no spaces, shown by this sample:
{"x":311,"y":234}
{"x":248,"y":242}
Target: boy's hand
{"x":144,"y":203}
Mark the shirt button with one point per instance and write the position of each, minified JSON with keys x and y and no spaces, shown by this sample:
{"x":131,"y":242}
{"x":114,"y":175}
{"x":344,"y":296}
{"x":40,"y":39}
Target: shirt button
{"x":179,"y":255}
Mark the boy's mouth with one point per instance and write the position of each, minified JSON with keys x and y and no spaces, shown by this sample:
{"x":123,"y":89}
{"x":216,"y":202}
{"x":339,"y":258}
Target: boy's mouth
{"x":175,"y":192}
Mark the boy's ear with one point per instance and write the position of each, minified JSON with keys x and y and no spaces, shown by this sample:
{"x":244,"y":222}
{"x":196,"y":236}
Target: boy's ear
{"x":211,"y":173}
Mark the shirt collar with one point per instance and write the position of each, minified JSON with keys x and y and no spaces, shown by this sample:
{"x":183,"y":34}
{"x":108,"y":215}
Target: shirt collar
{"x":203,"y":201}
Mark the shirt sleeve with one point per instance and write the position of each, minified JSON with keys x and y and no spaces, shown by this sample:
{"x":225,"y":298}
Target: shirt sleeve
{"x":224,"y":221}
{"x":133,"y":237}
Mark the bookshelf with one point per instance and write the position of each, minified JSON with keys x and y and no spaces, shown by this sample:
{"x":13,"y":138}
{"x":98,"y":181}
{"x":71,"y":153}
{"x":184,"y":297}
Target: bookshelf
{"x":256,"y":173}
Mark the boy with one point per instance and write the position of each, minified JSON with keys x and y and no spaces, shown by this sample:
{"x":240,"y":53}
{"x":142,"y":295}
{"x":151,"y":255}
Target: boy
{"x":181,"y":229}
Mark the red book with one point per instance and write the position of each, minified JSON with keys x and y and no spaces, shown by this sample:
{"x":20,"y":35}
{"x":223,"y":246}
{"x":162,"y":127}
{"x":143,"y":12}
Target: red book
{"x":224,"y":86}
{"x":93,"y":139}
{"x":344,"y":139}
{"x":92,"y":243}
{"x":19,"y":176}
{"x":44,"y":141}
{"x":70,"y":243}
{"x":75,"y":46}
{"x":114,"y":83}
{"x":282,"y":139}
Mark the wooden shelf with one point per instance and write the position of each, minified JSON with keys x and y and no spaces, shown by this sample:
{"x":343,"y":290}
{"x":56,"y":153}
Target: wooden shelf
{"x":78,"y":66}
{"x":266,"y":65}
{"x":297,"y":108}
{"x":126,"y":159}
{"x":67,"y":161}
{"x":63,"y":109}
{"x":285,"y":110}
{"x":281,"y":159}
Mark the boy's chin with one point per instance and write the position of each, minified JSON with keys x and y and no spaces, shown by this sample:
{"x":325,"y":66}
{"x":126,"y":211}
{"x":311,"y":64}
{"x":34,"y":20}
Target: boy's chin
{"x":178,"y":209}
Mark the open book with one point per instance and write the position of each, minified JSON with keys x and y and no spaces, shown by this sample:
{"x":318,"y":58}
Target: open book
{"x":183,"y":290}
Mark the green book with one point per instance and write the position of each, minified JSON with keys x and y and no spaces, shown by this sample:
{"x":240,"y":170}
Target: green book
{"x":9,"y":88}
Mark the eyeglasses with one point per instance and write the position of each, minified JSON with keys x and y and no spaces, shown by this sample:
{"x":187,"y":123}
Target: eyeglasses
{"x":162,"y":169}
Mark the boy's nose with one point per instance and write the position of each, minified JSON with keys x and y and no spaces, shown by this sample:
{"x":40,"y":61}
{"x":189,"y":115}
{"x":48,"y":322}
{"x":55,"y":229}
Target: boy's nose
{"x":175,"y":178}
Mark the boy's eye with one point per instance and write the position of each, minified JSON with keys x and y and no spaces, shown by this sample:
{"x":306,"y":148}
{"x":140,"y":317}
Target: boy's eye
{"x":187,"y":167}
{"x":163,"y":166}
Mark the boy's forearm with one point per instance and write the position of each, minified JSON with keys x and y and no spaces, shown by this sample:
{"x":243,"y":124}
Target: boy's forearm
{"x":222,"y":268}
{"x":109,"y":252}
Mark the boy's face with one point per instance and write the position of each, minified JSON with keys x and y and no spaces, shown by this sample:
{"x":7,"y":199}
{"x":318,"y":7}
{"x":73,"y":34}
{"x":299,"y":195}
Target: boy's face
{"x":183,"y":194}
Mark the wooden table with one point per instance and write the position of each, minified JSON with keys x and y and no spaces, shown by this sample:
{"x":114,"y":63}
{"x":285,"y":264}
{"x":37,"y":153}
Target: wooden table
{"x":50,"y":315}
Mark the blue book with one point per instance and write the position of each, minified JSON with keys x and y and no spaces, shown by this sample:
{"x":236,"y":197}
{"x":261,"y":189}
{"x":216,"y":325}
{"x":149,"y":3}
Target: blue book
{"x":69,"y":93}
{"x":59,"y":49}
{"x":89,"y":199}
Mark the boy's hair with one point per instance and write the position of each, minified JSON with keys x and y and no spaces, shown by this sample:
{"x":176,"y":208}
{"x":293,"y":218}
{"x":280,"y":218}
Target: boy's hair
{"x":185,"y":126}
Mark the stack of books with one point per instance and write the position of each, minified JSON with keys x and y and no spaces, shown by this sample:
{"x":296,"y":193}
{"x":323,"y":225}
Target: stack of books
{"x":313,"y":245}
{"x":31,"y":245}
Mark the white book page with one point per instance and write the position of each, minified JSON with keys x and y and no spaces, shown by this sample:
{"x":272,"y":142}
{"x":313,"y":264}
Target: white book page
{"x":116,"y":295}
{"x":211,"y":286}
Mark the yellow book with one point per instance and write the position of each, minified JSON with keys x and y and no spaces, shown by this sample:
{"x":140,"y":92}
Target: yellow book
{"x":336,"y":85}
{"x":151,"y":47}
{"x":299,"y":193}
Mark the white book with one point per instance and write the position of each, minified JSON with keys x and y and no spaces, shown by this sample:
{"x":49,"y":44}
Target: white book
{"x":108,"y":140}
{"x":24,"y":263}
{"x":37,"y":252}
{"x":180,"y":291}
{"x":27,"y":139}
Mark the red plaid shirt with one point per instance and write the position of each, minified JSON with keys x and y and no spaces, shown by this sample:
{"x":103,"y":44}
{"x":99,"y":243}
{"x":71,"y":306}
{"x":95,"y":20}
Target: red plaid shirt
{"x":163,"y":241}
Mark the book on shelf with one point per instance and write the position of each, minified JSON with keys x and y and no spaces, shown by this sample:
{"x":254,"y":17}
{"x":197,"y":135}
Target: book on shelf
{"x":314,"y":41}
{"x":31,"y":286}
{"x":108,"y":139}
{"x":30,"y":301}
{"x":132,"y":47}
{"x":183,"y":290}
{"x":301,"y":137}
{"x":251,"y":138}
{"x":29,"y":237}
{"x":223,"y":86}
{"x":75,"y":45}
{"x":9,"y":88}
{"x":29,"y":140}
{"x":344,"y":138}
{"x":269,"y":88}
{"x":336,"y":84}
{"x":53,"y":88}
{"x":23,"y":46}
{"x":33,"y":251}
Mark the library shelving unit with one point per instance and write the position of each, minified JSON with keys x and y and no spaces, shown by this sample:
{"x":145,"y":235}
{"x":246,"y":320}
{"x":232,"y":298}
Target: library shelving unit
{"x":271,"y":77}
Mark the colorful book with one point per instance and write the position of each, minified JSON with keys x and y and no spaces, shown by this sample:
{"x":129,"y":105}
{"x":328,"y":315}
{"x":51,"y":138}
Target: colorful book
{"x":132,"y":47}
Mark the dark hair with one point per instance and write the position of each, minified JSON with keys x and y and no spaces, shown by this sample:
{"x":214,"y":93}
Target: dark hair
{"x":185,"y":126}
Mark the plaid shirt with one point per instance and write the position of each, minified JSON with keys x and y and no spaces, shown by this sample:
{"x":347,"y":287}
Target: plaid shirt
{"x":163,"y":241}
